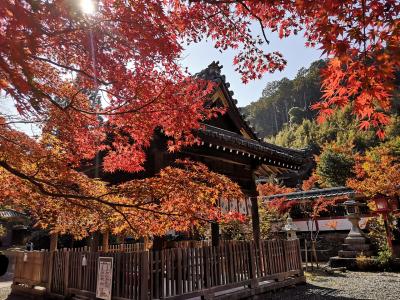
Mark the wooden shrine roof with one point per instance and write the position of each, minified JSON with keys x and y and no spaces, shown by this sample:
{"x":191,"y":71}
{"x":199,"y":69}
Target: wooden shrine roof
{"x":272,"y":154}
{"x":241,"y":138}
{"x":315,"y":193}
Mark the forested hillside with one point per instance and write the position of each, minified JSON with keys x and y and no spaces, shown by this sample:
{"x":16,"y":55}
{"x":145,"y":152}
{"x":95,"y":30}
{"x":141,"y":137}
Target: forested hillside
{"x":286,"y":101}
{"x":339,"y":144}
{"x":283,"y":116}
{"x":342,"y":128}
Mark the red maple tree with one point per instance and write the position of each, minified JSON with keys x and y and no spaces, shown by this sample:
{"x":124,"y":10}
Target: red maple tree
{"x":83,"y":78}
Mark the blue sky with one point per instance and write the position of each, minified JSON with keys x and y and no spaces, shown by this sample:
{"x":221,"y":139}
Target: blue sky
{"x":198,"y":56}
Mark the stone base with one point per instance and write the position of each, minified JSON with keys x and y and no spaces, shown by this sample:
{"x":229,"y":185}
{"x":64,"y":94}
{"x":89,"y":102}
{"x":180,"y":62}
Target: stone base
{"x":349,"y":263}
{"x":356,"y":247}
{"x":353,"y":253}
{"x":352,"y":240}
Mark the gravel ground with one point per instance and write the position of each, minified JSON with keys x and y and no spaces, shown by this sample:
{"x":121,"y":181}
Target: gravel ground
{"x":348,"y":285}
{"x":4,"y":292}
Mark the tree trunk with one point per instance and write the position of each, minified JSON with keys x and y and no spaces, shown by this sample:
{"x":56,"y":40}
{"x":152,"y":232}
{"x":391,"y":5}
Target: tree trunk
{"x":94,"y":242}
{"x":105,"y":244}
{"x":215,"y":234}
{"x":53,"y":242}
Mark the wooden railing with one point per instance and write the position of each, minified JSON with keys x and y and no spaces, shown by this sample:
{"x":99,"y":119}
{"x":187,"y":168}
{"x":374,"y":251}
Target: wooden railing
{"x":125,"y":247}
{"x":172,"y":273}
{"x":111,"y":248}
{"x":192,"y":244}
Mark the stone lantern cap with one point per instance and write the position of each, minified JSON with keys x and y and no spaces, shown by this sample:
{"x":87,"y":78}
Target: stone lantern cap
{"x":290,"y":226}
{"x":352,"y":207}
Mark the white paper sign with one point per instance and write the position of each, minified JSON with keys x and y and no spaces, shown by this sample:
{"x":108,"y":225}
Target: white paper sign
{"x":104,"y":278}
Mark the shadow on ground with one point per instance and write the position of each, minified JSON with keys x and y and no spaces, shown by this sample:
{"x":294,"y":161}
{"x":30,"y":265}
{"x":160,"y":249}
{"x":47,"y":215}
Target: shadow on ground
{"x":304,"y":292}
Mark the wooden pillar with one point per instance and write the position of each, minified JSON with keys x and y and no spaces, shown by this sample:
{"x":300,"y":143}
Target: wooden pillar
{"x":255,"y":220}
{"x":215,"y":234}
{"x":53,"y":249}
{"x":106,"y":237}
{"x":53,"y":242}
{"x":94,"y":242}
{"x":158,"y":243}
{"x":255,"y":216}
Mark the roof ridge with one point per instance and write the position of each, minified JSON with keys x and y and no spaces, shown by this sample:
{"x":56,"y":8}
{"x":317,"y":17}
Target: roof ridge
{"x":314,"y":193}
{"x":213,"y":73}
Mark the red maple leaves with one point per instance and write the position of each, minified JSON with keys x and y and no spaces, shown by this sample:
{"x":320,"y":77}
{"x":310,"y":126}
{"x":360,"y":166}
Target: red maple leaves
{"x":107,"y":81}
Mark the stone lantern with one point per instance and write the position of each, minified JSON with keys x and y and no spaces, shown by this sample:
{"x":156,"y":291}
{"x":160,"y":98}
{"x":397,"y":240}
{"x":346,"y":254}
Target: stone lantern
{"x":353,"y":215}
{"x":355,"y":242}
{"x":290,"y":229}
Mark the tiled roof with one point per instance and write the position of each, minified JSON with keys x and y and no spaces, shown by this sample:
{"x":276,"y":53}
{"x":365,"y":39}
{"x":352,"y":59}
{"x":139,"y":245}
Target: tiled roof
{"x":295,"y":156}
{"x":316,"y":193}
{"x":8,"y":213}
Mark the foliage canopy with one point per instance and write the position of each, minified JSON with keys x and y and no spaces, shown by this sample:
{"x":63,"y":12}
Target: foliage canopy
{"x":53,"y":57}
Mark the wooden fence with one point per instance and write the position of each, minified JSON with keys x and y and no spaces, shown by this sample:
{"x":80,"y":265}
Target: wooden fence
{"x":178,"y":273}
{"x":31,"y":268}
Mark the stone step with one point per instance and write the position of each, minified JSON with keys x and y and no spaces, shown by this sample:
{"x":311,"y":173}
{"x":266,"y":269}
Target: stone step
{"x":353,"y":253}
{"x":356,"y":247}
{"x":338,"y":262}
{"x":355,"y":240}
{"x":79,"y":297}
{"x":347,"y":253}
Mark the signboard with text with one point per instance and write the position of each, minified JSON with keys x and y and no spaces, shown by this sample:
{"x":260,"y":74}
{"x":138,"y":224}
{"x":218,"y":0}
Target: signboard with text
{"x":104,"y":278}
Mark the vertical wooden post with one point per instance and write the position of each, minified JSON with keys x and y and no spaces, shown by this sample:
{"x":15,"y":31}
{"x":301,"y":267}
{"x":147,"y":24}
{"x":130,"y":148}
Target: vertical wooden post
{"x":215,"y":234}
{"x":144,"y":278}
{"x":255,"y":216}
{"x":252,"y":259}
{"x":286,"y":254}
{"x":207,"y":273}
{"x":66,"y":272}
{"x":300,"y":260}
{"x":306,"y":254}
{"x":53,"y":249}
{"x":255,"y":220}
{"x":105,"y":244}
{"x":179,"y":270}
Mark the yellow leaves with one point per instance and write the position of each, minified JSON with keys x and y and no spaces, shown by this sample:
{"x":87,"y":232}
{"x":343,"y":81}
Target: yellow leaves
{"x":372,"y":205}
{"x":377,"y":172}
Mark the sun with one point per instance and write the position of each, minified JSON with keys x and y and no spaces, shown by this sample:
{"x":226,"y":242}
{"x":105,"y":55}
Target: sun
{"x":87,"y":6}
